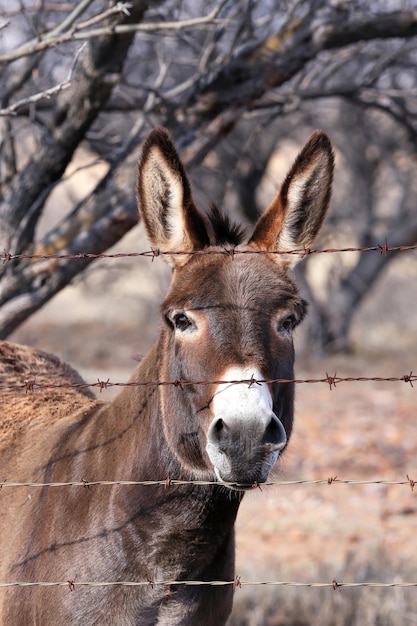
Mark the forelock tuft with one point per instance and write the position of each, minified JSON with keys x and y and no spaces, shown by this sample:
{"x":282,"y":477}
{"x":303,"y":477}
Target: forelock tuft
{"x":224,"y":231}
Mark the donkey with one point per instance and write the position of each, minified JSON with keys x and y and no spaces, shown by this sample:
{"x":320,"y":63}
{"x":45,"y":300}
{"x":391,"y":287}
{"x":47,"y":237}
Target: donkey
{"x":227,"y":324}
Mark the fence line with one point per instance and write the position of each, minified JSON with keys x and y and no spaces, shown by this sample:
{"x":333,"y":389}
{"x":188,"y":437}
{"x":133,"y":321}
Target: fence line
{"x":384,"y":249}
{"x":30,"y":385}
{"x":236,"y":583}
{"x":170,"y":482}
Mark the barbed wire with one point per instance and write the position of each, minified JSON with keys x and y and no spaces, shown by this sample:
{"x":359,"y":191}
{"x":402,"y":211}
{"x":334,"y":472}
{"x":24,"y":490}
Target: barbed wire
{"x":236,"y":583}
{"x":171,"y":482}
{"x":384,"y":249}
{"x":30,"y":384}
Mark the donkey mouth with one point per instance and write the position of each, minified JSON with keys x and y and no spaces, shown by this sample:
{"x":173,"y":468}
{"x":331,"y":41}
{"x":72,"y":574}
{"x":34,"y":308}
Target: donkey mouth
{"x":246,"y":479}
{"x":242,"y":487}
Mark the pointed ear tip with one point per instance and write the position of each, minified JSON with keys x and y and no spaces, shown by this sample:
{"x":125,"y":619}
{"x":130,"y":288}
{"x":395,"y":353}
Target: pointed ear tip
{"x":160,"y":132}
{"x":319,"y":139}
{"x":158,"y":136}
{"x":157,"y":141}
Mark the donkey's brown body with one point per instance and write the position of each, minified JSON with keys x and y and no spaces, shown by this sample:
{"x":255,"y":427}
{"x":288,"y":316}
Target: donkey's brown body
{"x":227,"y":318}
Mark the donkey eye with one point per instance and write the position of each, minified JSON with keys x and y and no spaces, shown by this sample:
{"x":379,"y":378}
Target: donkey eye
{"x":287,"y":324}
{"x":182,"y":322}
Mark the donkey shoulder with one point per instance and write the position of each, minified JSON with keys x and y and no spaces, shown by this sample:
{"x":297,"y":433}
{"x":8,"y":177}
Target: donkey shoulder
{"x":36,"y":386}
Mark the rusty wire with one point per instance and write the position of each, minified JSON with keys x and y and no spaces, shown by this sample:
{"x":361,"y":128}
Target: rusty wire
{"x":171,"y":482}
{"x":384,"y":249}
{"x":30,"y":385}
{"x":236,"y":583}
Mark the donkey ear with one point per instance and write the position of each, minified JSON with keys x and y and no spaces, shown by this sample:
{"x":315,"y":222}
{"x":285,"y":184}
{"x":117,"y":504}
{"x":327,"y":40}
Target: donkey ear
{"x":172,"y":220}
{"x":293,"y":219}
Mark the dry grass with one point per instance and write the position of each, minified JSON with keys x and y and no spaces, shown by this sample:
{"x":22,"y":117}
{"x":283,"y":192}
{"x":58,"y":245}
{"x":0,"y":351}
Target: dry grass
{"x":361,"y":606}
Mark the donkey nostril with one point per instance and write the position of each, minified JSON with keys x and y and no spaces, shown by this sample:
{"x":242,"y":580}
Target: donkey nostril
{"x":216,"y":433}
{"x":275,"y":433}
{"x":218,"y":426}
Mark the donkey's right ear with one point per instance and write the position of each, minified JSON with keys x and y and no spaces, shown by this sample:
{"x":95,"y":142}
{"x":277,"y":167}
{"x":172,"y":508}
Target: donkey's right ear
{"x":171,"y":218}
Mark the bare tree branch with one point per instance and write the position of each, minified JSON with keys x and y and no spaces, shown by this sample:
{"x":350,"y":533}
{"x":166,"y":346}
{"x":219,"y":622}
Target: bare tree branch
{"x":99,"y":223}
{"x":341,"y":33}
{"x":338,"y":313}
{"x":46,"y":94}
{"x":120,"y":29}
{"x":199,"y":84}
{"x":77,"y":107}
{"x":278,"y":58}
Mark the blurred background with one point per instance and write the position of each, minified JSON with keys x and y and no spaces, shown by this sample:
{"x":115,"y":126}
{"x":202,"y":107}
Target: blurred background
{"x":240,"y":85}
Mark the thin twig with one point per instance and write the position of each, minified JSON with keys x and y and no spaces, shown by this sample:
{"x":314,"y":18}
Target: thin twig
{"x":79,"y":9}
{"x":36,"y":97}
{"x":46,"y":94}
{"x":118,"y":29}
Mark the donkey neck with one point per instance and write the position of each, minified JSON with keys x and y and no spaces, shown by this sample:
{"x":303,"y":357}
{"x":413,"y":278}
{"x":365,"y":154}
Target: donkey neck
{"x":133,"y":424}
{"x":175,"y":512}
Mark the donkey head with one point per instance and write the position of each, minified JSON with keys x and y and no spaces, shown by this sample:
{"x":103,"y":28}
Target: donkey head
{"x":230,"y":312}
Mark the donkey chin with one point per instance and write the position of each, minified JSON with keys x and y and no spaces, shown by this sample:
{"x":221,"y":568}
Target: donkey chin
{"x":241,"y":474}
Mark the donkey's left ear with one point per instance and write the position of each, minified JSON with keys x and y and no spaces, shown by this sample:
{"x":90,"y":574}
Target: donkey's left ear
{"x":172,"y":220}
{"x":293,"y":219}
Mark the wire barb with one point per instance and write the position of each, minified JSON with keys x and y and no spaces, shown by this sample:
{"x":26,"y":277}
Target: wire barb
{"x":230,"y":252}
{"x":331,"y":380}
{"x":29,"y":385}
{"x":384,"y":248}
{"x":237,"y":583}
{"x":155,"y":252}
{"x":6,"y":257}
{"x":103,"y":384}
{"x":411,"y":482}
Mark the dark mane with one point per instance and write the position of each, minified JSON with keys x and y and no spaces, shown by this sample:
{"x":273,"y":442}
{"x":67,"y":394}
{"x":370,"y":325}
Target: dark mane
{"x":225,"y":232}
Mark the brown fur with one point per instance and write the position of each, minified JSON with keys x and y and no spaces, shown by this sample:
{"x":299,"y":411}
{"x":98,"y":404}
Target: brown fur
{"x":222,"y":312}
{"x":23,"y":366}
